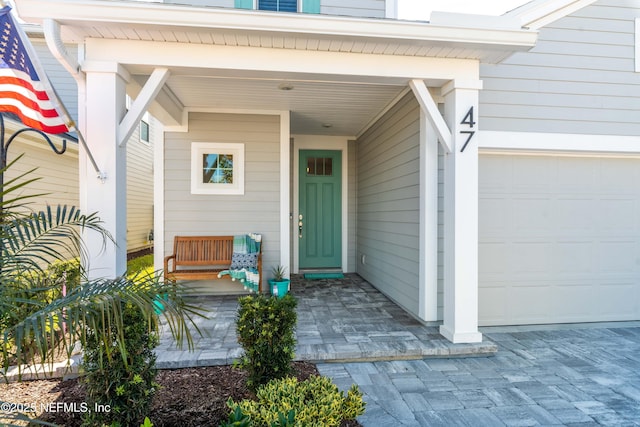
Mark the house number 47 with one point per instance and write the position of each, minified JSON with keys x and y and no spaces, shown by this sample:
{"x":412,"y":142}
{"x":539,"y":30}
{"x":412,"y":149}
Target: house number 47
{"x":468,"y":120}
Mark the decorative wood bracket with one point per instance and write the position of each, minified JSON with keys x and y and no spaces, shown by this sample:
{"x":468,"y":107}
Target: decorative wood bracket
{"x":146,"y":96}
{"x":428,"y":105}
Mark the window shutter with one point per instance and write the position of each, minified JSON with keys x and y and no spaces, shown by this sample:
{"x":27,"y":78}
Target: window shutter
{"x":244,"y":4}
{"x":311,"y":6}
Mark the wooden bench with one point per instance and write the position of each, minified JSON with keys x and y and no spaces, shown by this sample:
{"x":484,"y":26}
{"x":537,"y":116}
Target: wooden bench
{"x":201,"y":258}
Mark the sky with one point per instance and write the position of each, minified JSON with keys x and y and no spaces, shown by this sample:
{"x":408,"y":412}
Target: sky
{"x":420,"y":10}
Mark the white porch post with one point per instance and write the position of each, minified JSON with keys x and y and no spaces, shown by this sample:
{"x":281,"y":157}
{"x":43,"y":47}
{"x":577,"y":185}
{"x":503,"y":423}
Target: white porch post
{"x":461,"y":214}
{"x":285,"y":197}
{"x":428,"y":275}
{"x":104,"y":107}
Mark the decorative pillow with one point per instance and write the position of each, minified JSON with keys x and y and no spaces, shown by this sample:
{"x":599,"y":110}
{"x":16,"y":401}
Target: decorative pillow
{"x":240,"y":261}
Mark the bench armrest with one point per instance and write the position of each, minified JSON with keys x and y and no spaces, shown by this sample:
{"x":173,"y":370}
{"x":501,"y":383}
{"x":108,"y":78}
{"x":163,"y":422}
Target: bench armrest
{"x":166,"y":263}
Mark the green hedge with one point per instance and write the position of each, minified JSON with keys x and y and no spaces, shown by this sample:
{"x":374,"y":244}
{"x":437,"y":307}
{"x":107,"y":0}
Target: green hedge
{"x":316,"y":402}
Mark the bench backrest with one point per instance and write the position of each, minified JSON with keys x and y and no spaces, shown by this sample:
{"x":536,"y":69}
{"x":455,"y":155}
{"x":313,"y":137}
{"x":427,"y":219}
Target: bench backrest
{"x":203,"y":250}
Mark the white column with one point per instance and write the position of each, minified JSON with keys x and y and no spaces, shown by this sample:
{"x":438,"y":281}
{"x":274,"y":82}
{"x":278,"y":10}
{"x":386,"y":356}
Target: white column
{"x":461,"y":214}
{"x":428,"y":275}
{"x":285,"y":197}
{"x":104,"y":106}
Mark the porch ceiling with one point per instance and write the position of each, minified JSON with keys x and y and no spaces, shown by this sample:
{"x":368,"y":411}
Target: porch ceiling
{"x":319,"y":108}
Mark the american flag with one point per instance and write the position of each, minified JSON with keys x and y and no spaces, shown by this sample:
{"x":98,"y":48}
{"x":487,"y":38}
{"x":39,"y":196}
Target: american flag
{"x":24,"y":87}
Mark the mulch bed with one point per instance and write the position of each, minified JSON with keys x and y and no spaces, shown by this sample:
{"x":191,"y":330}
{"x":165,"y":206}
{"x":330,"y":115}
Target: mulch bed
{"x":187,"y":397}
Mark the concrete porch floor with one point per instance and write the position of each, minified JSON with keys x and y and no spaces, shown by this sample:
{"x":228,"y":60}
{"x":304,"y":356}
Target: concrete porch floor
{"x":339,"y":320}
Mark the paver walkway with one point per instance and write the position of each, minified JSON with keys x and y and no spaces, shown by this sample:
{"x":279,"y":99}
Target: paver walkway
{"x":563,"y":375}
{"x":574,"y":377}
{"x":339,"y":320}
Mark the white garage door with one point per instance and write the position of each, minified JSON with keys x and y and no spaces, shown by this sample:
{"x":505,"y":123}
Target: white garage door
{"x":559,"y":239}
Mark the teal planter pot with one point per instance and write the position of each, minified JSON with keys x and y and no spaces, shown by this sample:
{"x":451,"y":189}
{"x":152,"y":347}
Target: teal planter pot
{"x":280,"y":288}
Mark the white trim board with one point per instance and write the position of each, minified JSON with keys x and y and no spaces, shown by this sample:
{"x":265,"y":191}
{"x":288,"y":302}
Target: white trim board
{"x":558,"y":144}
{"x":317,"y":142}
{"x":158,"y":196}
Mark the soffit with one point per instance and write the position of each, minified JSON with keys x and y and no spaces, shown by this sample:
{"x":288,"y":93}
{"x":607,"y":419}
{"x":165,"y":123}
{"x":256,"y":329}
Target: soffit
{"x":323,"y":108}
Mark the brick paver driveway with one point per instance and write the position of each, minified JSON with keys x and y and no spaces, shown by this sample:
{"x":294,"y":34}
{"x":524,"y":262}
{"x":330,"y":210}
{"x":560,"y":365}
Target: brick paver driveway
{"x":575,"y":377}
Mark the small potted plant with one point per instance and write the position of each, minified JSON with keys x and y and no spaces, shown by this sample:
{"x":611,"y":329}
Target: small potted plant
{"x":279,"y":284}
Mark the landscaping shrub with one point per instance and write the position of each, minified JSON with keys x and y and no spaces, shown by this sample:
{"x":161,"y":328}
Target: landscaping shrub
{"x":265,"y":328}
{"x":31,"y":290}
{"x":123,"y":385}
{"x":141,"y":265}
{"x":316,"y":402}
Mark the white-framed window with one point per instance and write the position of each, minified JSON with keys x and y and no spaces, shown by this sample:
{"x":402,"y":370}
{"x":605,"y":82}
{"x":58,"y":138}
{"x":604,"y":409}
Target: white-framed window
{"x":144,"y":128}
{"x":217,"y":168}
{"x":304,"y":6}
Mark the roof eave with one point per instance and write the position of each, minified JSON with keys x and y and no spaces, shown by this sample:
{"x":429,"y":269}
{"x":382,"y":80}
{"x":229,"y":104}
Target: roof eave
{"x":70,"y":12}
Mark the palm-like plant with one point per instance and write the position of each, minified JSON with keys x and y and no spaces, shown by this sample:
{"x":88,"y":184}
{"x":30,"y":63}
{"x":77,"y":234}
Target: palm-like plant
{"x":28,"y":242}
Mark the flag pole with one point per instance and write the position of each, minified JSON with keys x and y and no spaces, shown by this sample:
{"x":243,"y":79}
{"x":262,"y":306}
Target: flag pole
{"x":102,"y":176}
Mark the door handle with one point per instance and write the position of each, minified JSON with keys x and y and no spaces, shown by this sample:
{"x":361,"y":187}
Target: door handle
{"x":300,"y":224}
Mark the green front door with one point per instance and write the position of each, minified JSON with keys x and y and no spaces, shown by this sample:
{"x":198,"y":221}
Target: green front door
{"x":320,"y":219}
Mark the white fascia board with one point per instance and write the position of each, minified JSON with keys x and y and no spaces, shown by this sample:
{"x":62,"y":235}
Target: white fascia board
{"x":538,"y":13}
{"x":86,"y":12}
{"x":557,"y":143}
{"x":182,"y":56}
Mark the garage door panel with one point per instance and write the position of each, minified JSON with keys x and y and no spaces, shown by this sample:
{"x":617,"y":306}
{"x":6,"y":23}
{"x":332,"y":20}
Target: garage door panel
{"x":559,"y":239}
{"x":529,"y":301}
{"x":492,"y":215}
{"x":617,"y":258}
{"x":492,"y":180}
{"x":573,"y":302}
{"x":575,"y":176}
{"x":620,"y":178}
{"x":617,"y":216}
{"x":619,"y":300}
{"x":574,"y":217}
{"x":491,"y":304}
{"x":573,"y":259}
{"x":532,"y":175}
{"x":531,"y":216}
{"x":530,"y":259}
{"x":493,"y":259}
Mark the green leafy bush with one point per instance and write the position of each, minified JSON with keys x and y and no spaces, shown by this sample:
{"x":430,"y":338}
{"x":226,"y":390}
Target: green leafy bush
{"x":143,"y":264}
{"x":265,"y":327}
{"x":32,"y":290}
{"x":316,"y":402}
{"x":124,"y":384}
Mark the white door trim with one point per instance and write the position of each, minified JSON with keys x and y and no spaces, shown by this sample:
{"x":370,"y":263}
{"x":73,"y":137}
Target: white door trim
{"x":316,"y":142}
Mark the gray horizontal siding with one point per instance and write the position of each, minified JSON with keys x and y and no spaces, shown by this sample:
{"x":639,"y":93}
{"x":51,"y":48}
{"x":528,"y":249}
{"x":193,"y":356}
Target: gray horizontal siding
{"x":388,"y":204}
{"x":579,"y":78}
{"x":258,"y":210}
{"x":214,"y":3}
{"x":139,"y":191}
{"x":357,"y":8}
{"x":60,"y":79}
